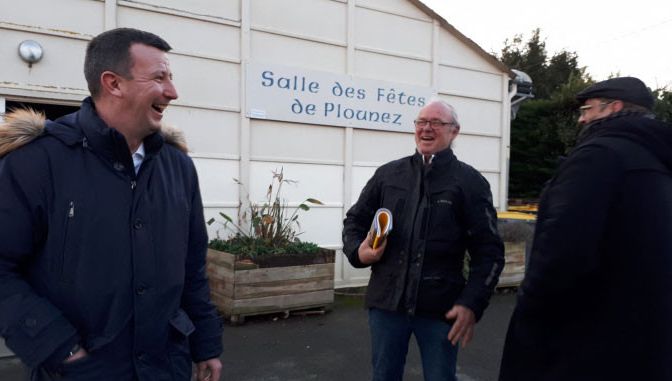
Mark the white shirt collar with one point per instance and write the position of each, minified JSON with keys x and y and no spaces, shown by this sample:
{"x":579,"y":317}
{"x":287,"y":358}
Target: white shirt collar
{"x":138,"y":157}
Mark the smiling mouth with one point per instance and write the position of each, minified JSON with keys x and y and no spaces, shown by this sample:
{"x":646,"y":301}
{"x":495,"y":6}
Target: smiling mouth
{"x":159,"y":108}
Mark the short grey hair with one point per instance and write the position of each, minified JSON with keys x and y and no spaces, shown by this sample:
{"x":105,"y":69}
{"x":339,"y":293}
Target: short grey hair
{"x":449,"y":107}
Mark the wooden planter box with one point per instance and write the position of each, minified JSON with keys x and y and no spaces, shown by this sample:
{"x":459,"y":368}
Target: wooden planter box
{"x":514,"y":264}
{"x":241,"y":289}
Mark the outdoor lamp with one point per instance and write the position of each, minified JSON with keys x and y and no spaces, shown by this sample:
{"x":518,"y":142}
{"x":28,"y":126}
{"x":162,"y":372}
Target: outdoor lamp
{"x":30,"y":52}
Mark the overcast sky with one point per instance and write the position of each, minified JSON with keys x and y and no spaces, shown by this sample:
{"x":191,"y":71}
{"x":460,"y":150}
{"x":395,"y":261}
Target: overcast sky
{"x":609,"y":37}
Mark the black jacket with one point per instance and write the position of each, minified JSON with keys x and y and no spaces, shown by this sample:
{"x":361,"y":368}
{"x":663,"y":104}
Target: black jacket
{"x":595,"y":303}
{"x":439,"y":212}
{"x":88,"y":249}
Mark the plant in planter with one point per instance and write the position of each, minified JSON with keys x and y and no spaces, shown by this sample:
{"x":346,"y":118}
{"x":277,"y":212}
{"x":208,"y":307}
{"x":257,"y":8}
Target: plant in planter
{"x":265,"y":268}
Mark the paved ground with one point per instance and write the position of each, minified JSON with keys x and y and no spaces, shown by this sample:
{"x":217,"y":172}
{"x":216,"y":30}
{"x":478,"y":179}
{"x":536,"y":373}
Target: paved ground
{"x":333,"y":347}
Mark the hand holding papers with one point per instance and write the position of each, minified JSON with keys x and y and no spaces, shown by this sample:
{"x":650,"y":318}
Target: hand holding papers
{"x":381,"y":226}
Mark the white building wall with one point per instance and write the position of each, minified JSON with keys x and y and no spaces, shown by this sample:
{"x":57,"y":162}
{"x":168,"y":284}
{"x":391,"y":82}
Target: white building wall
{"x":214,"y":40}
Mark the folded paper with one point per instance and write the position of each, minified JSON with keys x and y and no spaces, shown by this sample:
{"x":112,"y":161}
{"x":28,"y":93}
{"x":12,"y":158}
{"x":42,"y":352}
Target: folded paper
{"x":381,"y":226}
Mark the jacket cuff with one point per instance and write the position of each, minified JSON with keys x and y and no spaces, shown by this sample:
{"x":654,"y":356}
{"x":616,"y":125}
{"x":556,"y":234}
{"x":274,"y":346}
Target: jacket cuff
{"x":206,"y":340}
{"x":353,"y":257}
{"x":41,"y":332}
{"x":474,"y":307}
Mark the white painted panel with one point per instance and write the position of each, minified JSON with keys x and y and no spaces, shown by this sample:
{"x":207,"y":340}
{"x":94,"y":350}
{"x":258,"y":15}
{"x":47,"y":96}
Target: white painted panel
{"x":229,"y":9}
{"x":392,"y":33}
{"x":348,"y":276}
{"x":61,"y":66}
{"x":203,"y":38}
{"x":217,"y":228}
{"x":402,"y":7}
{"x":493,"y":179}
{"x":392,"y":69}
{"x":266,"y":47}
{"x":321,"y":226}
{"x":477,"y":116}
{"x":215,"y":177}
{"x":360,"y":176}
{"x":454,"y":52}
{"x":323,"y":19}
{"x":323,"y":182}
{"x":207,"y":131}
{"x":206,"y":83}
{"x":470,"y":83}
{"x":293,"y":141}
{"x":381,"y":147}
{"x":79,"y":17}
{"x":481,"y":152}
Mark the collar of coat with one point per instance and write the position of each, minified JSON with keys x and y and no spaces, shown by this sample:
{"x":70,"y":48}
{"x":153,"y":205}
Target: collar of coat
{"x":22,"y":126}
{"x":440,"y":158}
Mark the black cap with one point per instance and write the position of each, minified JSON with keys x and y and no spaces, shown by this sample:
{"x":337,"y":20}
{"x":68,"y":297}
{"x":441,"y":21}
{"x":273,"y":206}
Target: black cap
{"x":626,"y":89}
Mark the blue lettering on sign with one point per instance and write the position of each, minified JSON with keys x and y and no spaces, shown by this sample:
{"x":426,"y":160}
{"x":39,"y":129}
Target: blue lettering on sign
{"x":391,"y":96}
{"x":294,"y":83}
{"x":341,"y":112}
{"x":349,"y":92}
{"x":298,"y":108}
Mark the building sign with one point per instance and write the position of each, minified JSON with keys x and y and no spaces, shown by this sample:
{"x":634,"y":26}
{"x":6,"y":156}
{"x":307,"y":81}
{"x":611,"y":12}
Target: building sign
{"x":298,"y":95}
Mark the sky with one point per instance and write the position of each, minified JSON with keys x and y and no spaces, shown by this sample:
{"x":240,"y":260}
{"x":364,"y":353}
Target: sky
{"x":608,"y":37}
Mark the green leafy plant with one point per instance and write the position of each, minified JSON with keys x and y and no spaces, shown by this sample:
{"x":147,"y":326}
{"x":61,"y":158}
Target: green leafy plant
{"x":271,"y":227}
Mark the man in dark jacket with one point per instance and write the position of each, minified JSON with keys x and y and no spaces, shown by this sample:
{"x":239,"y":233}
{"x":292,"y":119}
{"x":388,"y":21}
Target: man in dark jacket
{"x":103,"y":242}
{"x":595,"y":303}
{"x":441,"y":207}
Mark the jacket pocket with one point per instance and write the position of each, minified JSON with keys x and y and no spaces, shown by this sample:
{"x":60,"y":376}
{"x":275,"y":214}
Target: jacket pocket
{"x":437,"y":294}
{"x":442,"y":223}
{"x":181,"y":322}
{"x":178,"y":351}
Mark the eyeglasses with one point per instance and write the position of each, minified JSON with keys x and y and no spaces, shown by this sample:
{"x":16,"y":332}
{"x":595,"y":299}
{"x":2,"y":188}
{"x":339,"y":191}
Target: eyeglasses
{"x":420,"y":123}
{"x":584,"y":109}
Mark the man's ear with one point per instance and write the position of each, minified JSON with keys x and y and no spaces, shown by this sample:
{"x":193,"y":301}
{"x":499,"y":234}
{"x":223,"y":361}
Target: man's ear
{"x":617,"y":105}
{"x":110,"y":83}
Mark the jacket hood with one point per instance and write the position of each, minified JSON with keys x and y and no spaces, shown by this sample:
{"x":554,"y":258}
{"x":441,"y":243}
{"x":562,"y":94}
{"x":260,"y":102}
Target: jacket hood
{"x":25,"y":125}
{"x":652,"y":134}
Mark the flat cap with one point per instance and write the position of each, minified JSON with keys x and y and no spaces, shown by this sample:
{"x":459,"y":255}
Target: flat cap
{"x":626,"y":89}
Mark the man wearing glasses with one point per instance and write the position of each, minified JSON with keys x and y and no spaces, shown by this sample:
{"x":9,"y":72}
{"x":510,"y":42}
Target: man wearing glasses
{"x":441,"y":207}
{"x":595,"y":303}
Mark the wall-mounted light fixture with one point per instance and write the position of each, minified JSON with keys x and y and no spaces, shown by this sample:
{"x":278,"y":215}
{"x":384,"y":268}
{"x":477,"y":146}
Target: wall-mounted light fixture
{"x":30,"y":52}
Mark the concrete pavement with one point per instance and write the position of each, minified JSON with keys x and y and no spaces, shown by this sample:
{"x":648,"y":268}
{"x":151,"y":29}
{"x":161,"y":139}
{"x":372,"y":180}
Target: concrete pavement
{"x":333,"y":347}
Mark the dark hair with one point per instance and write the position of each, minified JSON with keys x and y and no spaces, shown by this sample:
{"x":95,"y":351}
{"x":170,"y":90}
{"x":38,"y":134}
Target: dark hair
{"x":110,"y":51}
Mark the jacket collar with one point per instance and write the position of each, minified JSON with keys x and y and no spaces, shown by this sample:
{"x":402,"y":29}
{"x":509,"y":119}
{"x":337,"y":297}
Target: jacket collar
{"x":22,"y":126}
{"x":441,"y":158}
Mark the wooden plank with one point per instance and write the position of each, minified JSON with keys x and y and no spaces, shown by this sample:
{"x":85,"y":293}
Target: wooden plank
{"x":514,"y":264}
{"x":257,"y":290}
{"x":284,"y":273}
{"x":282,"y":302}
{"x":221,"y":258}
{"x":510,"y":280}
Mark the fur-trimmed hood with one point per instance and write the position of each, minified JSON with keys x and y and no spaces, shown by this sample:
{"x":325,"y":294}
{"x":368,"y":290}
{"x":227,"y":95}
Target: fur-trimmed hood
{"x":22,"y":126}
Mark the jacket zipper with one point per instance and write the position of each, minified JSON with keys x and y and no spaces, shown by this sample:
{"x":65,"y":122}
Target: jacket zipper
{"x":68,"y":219}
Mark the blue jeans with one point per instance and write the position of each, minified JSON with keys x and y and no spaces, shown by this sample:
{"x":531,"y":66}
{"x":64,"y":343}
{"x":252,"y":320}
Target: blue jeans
{"x":390,"y":335}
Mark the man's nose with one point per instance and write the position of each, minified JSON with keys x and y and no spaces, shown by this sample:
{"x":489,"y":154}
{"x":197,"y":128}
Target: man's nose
{"x":170,"y":91}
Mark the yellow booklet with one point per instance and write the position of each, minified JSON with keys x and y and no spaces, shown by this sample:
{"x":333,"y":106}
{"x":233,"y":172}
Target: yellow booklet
{"x":381,"y":226}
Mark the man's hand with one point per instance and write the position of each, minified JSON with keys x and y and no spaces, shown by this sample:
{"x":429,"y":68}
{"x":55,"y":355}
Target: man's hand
{"x":463,"y":326}
{"x":81,"y":353}
{"x":209,"y":370}
{"x":369,"y":255}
